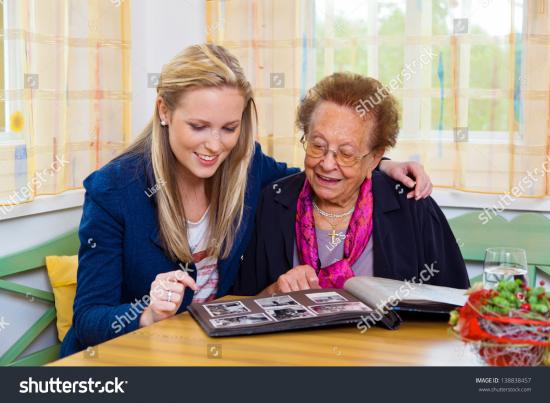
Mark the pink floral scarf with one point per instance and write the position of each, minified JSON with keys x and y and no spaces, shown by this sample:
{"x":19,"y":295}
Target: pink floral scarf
{"x":357,"y":236}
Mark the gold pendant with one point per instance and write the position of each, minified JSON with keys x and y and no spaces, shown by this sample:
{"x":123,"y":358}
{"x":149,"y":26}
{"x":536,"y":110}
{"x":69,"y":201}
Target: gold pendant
{"x":333,"y":236}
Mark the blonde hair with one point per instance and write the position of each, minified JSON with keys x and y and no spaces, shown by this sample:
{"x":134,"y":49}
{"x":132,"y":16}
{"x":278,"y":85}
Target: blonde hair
{"x":200,"y":66}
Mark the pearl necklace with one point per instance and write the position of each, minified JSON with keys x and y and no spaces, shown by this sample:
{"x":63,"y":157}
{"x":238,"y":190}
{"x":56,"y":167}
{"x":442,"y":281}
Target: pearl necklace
{"x":332,"y":215}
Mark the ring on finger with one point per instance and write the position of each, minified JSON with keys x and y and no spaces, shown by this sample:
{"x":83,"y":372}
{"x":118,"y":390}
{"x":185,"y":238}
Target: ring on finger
{"x":169,"y":296}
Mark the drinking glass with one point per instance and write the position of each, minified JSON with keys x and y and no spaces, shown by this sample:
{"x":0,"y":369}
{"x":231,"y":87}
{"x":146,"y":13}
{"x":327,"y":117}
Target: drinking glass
{"x":504,"y":263}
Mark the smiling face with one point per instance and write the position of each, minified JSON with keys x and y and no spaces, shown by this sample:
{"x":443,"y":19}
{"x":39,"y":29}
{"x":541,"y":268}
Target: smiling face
{"x":204,"y":128}
{"x":339,"y":128}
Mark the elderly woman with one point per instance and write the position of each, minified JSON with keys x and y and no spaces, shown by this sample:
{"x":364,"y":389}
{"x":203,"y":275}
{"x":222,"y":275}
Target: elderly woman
{"x":341,"y":217}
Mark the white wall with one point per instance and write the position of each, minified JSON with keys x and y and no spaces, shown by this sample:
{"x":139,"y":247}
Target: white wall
{"x":160,"y":29}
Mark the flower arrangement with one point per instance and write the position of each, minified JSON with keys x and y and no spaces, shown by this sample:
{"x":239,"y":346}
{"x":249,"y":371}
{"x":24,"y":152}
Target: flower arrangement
{"x":508,"y":325}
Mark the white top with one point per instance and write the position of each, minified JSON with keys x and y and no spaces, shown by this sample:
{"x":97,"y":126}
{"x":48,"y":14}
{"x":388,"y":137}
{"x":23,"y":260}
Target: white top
{"x":207,"y":266}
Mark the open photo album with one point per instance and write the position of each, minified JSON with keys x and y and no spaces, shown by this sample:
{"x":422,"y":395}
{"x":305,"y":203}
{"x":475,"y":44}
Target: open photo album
{"x":363,"y":300}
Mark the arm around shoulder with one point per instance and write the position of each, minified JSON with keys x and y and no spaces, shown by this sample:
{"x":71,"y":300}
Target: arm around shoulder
{"x":444,"y":261}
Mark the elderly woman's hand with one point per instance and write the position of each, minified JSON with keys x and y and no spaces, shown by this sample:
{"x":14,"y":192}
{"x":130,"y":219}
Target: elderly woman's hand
{"x":296,"y":279}
{"x":400,"y":172}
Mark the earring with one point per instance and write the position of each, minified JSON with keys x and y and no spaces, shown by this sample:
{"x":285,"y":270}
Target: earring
{"x":162,"y":123}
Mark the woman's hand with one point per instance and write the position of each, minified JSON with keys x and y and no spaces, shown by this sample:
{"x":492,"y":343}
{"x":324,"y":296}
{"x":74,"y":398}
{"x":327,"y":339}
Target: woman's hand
{"x":296,"y":279}
{"x":166,"y":296}
{"x":403,"y":171}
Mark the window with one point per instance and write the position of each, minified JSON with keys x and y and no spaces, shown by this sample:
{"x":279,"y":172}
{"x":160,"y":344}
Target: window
{"x":475,"y":101}
{"x":66,"y":103}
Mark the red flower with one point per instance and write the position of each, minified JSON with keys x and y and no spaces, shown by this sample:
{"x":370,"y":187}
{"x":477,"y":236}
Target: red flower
{"x":520,"y":296}
{"x":541,"y":282}
{"x":525,"y":307}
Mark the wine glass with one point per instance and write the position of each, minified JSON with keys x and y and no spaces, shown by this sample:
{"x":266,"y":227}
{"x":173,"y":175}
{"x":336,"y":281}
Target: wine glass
{"x":502,"y":264}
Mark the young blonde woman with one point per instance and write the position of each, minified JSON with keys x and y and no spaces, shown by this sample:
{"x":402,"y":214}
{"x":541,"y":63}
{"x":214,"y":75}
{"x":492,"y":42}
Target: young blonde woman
{"x":166,"y":223}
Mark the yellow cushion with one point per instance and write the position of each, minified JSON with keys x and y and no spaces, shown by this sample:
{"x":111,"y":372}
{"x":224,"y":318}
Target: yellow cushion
{"x":62,"y":273}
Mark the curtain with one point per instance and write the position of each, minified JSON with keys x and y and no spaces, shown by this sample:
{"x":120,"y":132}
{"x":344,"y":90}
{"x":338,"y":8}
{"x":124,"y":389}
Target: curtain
{"x":472,"y":78}
{"x":66,"y":93}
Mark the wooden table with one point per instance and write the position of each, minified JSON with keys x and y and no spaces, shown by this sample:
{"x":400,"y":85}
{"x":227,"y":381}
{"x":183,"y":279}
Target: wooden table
{"x":181,"y":341}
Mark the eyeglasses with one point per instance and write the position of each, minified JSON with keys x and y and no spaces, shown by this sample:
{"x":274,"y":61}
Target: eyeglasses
{"x":344,"y":158}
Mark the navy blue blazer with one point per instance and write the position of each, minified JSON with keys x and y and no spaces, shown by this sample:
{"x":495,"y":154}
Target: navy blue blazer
{"x":408,"y":235}
{"x":121,"y":252}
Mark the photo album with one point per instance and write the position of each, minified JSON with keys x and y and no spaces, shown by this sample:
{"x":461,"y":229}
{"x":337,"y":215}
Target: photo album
{"x":366,"y":299}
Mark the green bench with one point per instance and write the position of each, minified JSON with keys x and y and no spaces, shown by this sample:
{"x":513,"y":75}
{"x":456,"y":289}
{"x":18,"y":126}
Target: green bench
{"x":529,"y":231}
{"x":23,"y":261}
